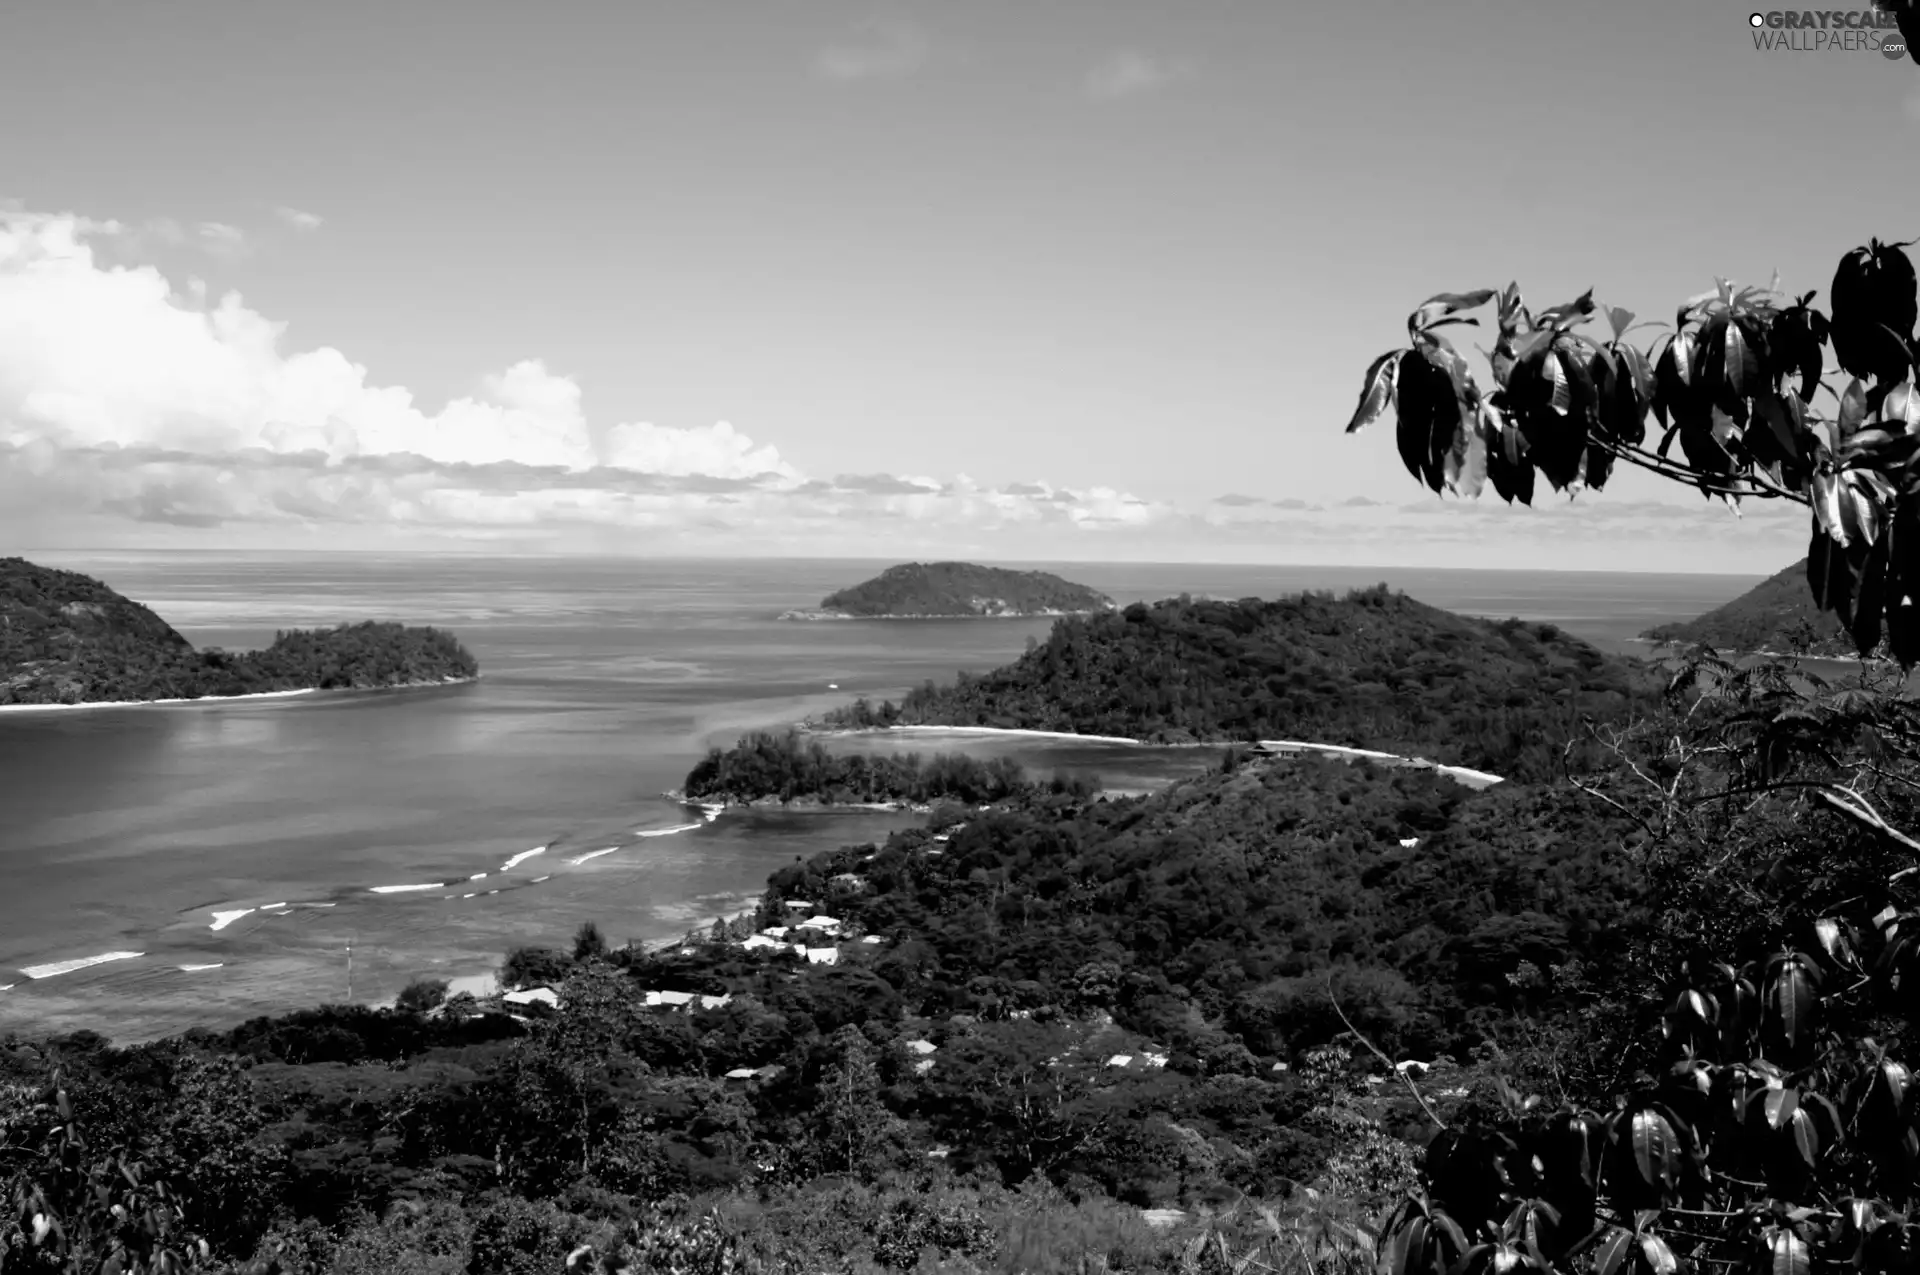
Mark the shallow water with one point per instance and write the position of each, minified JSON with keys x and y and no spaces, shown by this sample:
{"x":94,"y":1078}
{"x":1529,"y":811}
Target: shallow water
{"x":136,"y":830}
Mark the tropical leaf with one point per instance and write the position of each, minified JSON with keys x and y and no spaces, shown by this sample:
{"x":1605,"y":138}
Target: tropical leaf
{"x":1376,"y":391}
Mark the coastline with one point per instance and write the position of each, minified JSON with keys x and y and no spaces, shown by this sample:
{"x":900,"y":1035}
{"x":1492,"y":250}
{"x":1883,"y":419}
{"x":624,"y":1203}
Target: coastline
{"x":804,"y":615}
{"x":228,"y":699}
{"x":998,"y":731}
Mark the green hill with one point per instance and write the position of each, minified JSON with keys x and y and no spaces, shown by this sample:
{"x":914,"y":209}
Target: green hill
{"x":1375,"y":669}
{"x":1777,"y":614}
{"x":941,"y":590}
{"x":66,"y":638}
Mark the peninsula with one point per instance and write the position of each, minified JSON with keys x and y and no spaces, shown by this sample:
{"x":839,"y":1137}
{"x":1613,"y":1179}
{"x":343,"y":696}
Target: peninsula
{"x":66,"y":638}
{"x":956,"y":590}
{"x":1776,"y":616}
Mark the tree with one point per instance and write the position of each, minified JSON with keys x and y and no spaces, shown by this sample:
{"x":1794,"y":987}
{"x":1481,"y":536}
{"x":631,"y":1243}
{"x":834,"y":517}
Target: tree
{"x":421,"y":996}
{"x":1734,"y":382}
{"x":588,"y":943}
{"x":852,"y":1124}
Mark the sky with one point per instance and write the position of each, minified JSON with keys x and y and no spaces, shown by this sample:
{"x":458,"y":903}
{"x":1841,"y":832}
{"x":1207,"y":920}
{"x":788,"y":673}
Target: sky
{"x":1084,"y":280}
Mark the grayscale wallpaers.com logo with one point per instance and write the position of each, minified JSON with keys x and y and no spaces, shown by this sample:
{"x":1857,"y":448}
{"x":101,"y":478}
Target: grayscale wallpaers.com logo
{"x":1828,"y":30}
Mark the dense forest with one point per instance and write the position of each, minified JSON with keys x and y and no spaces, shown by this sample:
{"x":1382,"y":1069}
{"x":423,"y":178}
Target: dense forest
{"x":1374,"y":669}
{"x":1076,"y":1009}
{"x":786,"y":768}
{"x":68,"y":639}
{"x":931,"y":590}
{"x":1778,"y":615}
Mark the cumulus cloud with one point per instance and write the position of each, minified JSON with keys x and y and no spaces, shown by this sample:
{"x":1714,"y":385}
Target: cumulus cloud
{"x":124,"y":398}
{"x":1131,"y":73}
{"x":883,"y":49}
{"x":298,"y":219}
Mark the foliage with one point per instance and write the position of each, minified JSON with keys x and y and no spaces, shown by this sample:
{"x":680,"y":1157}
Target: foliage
{"x":962,"y":589}
{"x":1734,"y":382}
{"x":789,"y":768}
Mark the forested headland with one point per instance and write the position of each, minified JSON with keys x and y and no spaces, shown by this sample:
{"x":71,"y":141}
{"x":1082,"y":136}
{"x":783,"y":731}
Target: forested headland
{"x":1374,"y":669}
{"x":66,"y":638}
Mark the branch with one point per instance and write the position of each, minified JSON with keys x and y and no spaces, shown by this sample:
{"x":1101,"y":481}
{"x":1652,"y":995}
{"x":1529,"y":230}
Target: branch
{"x":1377,"y":1053}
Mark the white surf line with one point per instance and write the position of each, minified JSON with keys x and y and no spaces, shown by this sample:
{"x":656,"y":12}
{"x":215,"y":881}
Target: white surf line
{"x":467,"y":896}
{"x":666,"y":832}
{"x":403,"y":889}
{"x":522,"y":857}
{"x":191,"y":969}
{"x":476,"y":876}
{"x":538,"y":880}
{"x":142,"y":703}
{"x":593,"y":855}
{"x":221,"y":920}
{"x":268,"y":907}
{"x":68,"y":967}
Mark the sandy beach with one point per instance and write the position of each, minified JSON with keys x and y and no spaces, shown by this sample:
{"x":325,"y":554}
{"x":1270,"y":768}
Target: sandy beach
{"x":988,"y":731}
{"x":229,"y":699}
{"x":142,"y":703}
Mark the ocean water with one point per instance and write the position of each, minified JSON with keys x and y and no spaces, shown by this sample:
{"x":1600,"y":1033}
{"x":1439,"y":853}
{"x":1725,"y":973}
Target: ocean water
{"x":163,"y":836}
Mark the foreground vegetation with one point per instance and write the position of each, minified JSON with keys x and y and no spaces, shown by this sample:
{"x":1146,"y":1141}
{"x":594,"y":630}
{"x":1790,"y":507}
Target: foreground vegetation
{"x":68,"y":639}
{"x":1374,"y":669}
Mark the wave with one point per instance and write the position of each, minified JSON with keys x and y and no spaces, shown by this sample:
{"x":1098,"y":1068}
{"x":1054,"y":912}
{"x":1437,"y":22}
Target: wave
{"x":222,"y":919}
{"x":595,"y":854}
{"x":406,"y":889}
{"x":668,"y":832}
{"x":522,"y":857}
{"x":80,"y":963}
{"x":194,"y":969}
{"x":476,"y":876}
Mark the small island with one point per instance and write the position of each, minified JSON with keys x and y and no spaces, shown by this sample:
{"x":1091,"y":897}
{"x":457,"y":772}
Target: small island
{"x":1775,"y":617}
{"x":956,"y":590}
{"x":68,"y":639}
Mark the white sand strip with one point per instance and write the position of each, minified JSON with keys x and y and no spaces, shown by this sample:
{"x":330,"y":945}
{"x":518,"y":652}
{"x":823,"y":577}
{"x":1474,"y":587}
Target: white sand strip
{"x":142,"y":703}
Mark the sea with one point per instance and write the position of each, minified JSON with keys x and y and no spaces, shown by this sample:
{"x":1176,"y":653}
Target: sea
{"x":173,"y":866}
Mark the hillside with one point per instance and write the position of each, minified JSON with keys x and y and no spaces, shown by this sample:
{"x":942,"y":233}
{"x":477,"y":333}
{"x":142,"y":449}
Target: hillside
{"x":942,"y":590}
{"x":66,"y":638}
{"x":1375,"y":669}
{"x":1777,"y":614}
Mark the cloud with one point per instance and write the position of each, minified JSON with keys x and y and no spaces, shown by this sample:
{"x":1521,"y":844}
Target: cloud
{"x":122,"y":398}
{"x":134,"y":412}
{"x":297,"y":219}
{"x":1131,"y":73}
{"x":885,"y":48}
{"x":222,"y":240}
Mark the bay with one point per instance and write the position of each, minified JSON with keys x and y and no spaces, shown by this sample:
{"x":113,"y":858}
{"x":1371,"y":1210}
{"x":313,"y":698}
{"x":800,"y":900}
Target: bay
{"x":137,"y":830}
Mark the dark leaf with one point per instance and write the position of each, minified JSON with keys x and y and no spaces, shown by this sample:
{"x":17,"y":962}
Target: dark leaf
{"x":1376,"y":391}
